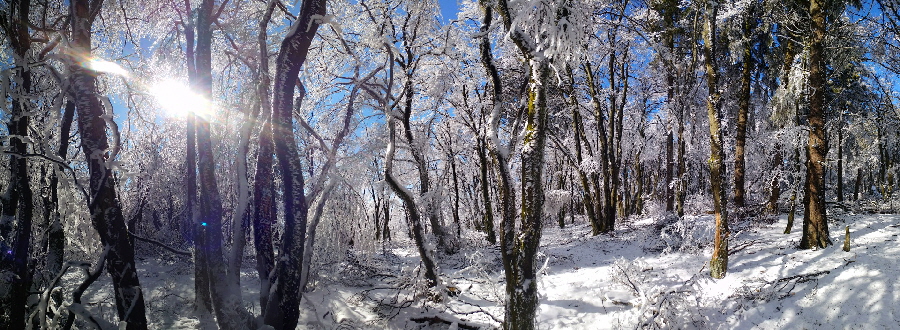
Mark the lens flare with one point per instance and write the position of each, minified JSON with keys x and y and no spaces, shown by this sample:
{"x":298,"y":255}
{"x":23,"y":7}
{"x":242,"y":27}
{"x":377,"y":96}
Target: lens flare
{"x":179,"y":100}
{"x":101,"y":65}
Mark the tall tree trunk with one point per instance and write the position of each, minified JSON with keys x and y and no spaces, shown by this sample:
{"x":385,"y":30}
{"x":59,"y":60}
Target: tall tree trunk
{"x":419,"y":158}
{"x":793,"y":204}
{"x":485,"y":191}
{"x":740,"y":139}
{"x":16,"y":202}
{"x":56,"y":240}
{"x":518,"y":250}
{"x":775,"y":184}
{"x":718,"y":265}
{"x":386,"y":231}
{"x":681,"y":185}
{"x":283,"y":307}
{"x":815,"y":227}
{"x":840,"y":163}
{"x":202,"y":297}
{"x":857,"y":186}
{"x":588,"y":199}
{"x":455,"y":188}
{"x":263,"y":184}
{"x":225,"y":294}
{"x":415,"y":220}
{"x":670,"y":174}
{"x":104,"y":207}
{"x":604,"y":149}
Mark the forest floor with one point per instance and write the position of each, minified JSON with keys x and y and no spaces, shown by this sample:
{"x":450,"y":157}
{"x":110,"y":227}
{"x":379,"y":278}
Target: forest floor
{"x":650,"y":273}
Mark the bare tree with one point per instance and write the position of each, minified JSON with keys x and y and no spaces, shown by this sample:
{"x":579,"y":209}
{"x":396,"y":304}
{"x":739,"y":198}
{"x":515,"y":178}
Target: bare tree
{"x":815,"y":226}
{"x":718,"y":266}
{"x":104,"y":206}
{"x":16,"y":202}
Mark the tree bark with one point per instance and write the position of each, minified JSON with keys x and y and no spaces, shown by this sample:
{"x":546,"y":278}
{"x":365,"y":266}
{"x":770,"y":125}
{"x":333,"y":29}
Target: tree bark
{"x":604,"y":150}
{"x":485,"y":192}
{"x":17,"y":206}
{"x":455,"y":175}
{"x":840,"y":164}
{"x":588,"y":199}
{"x":263,"y":186}
{"x":740,"y":139}
{"x":815,"y":227}
{"x":283,"y":307}
{"x":718,"y":265}
{"x":518,"y":251}
{"x":225,"y":293}
{"x":415,"y":220}
{"x":775,"y":184}
{"x":104,"y":206}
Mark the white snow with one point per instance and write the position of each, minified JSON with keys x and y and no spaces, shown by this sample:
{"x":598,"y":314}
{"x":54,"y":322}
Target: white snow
{"x":631,"y":278}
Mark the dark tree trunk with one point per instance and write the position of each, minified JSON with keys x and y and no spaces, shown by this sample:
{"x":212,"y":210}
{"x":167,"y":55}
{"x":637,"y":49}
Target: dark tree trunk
{"x":815,"y":227}
{"x":202,"y":297}
{"x":224,"y":292}
{"x":485,"y":192}
{"x":718,"y":266}
{"x":743,"y":108}
{"x":378,"y":210}
{"x":605,"y":149}
{"x":104,"y":207}
{"x":283,"y":307}
{"x":588,"y":199}
{"x":386,"y":232}
{"x":793,"y":203}
{"x":55,"y":239}
{"x":840,"y":164}
{"x":419,"y":158}
{"x":16,"y":202}
{"x":263,"y":196}
{"x":519,"y":251}
{"x":670,"y":160}
{"x":775,"y":184}
{"x":560,"y":185}
{"x":455,"y":190}
{"x":415,"y":220}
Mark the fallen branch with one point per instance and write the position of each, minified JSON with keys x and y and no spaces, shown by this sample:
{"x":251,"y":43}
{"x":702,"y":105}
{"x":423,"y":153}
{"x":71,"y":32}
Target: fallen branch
{"x":479,"y":309}
{"x":803,"y":277}
{"x":438,"y":319}
{"x":743,"y":246}
{"x":160,"y":244}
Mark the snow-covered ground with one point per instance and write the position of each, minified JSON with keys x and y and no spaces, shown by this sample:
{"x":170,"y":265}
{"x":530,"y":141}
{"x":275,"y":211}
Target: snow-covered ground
{"x":645,"y":275}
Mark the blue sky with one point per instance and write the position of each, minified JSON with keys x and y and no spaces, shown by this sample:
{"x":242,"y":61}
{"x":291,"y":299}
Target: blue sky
{"x":449,"y":8}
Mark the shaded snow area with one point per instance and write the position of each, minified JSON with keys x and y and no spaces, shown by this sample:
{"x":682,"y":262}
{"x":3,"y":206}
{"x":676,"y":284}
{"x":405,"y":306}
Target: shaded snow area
{"x":650,"y":273}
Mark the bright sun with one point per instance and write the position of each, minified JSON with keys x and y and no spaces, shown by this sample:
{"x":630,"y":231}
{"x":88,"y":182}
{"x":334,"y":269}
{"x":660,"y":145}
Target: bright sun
{"x":179,"y":100}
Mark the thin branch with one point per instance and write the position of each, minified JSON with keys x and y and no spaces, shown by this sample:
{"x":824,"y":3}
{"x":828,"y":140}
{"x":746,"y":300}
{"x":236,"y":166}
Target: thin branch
{"x":160,"y":244}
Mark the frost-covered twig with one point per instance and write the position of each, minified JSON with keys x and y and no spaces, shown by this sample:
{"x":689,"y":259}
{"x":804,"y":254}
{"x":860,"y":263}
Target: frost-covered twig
{"x":478,"y":310}
{"x":76,"y":308}
{"x":61,"y":163}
